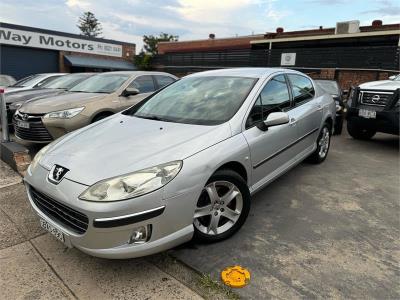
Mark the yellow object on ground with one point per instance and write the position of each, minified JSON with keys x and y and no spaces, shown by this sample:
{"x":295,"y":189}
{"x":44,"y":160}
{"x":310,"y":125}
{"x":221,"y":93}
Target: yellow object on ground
{"x":236,"y":277}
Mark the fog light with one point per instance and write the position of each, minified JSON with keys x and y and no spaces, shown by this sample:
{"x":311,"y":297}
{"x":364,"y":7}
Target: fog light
{"x":140,"y":235}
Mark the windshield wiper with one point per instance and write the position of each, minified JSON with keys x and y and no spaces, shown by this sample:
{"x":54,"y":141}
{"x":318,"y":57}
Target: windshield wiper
{"x":153,"y":117}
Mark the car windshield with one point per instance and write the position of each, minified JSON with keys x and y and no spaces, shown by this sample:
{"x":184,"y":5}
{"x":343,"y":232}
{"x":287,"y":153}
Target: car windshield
{"x":66,"y":82}
{"x":330,"y":87}
{"x":102,"y":83}
{"x":201,"y":100}
{"x":397,"y":78}
{"x":27,"y":81}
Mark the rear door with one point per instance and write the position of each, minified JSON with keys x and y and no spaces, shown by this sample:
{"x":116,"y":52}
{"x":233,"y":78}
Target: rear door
{"x":146,"y":86}
{"x":271,"y":149}
{"x":307,"y":111}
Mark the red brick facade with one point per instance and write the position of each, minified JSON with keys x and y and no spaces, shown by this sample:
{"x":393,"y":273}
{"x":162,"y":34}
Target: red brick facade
{"x":348,"y":78}
{"x":208,"y":45}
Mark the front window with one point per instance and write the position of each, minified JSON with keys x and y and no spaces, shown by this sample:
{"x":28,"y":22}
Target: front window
{"x":66,"y":82}
{"x":273,"y":98}
{"x":302,"y":88}
{"x":102,"y":83}
{"x":203,"y":100}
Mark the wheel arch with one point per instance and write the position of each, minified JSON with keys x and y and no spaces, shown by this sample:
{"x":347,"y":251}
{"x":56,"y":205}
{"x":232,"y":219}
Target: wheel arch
{"x":236,"y":167}
{"x":106,"y":113}
{"x":329,"y":121}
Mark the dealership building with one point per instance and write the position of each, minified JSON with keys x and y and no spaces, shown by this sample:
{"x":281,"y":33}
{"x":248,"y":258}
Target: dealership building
{"x":27,"y":50}
{"x":349,"y":53}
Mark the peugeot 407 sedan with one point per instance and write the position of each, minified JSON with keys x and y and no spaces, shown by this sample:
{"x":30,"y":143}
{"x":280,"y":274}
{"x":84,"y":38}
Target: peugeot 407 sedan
{"x":182,"y":163}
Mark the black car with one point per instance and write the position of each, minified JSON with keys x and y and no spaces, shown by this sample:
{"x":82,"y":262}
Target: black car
{"x":333,"y":88}
{"x":374,"y":107}
{"x":53,"y":88}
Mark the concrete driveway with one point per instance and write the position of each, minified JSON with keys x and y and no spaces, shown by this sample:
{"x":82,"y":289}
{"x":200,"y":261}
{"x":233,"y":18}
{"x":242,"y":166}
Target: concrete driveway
{"x":320,"y":231}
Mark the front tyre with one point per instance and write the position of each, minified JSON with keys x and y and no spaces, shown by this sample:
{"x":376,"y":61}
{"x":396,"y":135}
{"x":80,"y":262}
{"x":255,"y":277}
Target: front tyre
{"x":222,"y":207}
{"x":323,"y":144}
{"x":359,"y":133}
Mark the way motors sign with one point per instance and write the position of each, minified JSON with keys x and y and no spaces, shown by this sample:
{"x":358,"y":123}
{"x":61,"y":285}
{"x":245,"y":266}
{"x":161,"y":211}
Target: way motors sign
{"x":56,"y":42}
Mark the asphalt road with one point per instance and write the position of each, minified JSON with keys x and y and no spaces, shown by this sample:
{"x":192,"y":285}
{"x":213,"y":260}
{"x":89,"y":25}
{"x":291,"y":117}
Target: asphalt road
{"x":320,"y":231}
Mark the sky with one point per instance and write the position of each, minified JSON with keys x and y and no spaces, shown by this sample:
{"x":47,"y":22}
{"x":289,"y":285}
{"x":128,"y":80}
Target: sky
{"x":129,"y":20}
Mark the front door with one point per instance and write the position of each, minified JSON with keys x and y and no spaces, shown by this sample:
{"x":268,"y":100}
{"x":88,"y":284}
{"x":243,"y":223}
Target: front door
{"x":271,"y":149}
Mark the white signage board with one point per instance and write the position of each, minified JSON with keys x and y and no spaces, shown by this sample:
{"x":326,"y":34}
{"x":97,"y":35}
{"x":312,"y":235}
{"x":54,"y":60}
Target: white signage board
{"x":56,"y":42}
{"x":288,"y":59}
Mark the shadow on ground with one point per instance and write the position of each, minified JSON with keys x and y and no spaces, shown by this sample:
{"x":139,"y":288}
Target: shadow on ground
{"x":329,"y":230}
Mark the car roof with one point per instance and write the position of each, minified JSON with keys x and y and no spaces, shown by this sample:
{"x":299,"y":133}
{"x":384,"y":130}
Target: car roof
{"x":245,"y":72}
{"x":135,"y":73}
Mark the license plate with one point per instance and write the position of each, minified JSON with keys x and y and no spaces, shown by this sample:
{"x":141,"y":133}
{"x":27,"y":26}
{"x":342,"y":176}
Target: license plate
{"x":23,"y":124}
{"x":368,"y":114}
{"x":54,"y":231}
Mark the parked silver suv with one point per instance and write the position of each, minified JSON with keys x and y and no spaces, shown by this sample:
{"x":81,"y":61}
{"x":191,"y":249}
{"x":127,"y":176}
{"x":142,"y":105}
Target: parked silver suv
{"x":179,"y":164}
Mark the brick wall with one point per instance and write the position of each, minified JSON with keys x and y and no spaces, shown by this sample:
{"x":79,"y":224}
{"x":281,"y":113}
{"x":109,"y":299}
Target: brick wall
{"x":348,"y":78}
{"x":208,"y":45}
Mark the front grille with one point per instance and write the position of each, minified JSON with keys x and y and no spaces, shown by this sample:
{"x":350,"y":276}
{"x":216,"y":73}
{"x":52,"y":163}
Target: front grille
{"x":35,"y":132}
{"x":375,"y":98}
{"x":70,"y":218}
{"x":9,"y":113}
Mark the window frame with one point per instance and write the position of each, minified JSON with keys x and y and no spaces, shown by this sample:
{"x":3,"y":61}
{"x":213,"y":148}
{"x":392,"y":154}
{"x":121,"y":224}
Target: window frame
{"x":291,"y":101}
{"x":292,"y":92}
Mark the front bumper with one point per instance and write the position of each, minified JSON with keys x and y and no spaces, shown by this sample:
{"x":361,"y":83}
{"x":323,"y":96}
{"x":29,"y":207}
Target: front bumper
{"x":386,"y":121}
{"x":42,"y":130}
{"x":169,"y":229}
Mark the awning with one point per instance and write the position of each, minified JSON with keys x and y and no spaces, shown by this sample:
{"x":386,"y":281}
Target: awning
{"x":97,"y":62}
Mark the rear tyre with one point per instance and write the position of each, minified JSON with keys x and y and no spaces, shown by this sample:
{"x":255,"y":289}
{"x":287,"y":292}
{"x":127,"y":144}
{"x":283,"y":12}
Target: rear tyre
{"x":222,"y":207}
{"x":339,"y":127}
{"x":323,"y":144}
{"x":359,"y":133}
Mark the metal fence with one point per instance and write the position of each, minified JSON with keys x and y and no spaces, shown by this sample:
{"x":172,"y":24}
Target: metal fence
{"x":371,"y":57}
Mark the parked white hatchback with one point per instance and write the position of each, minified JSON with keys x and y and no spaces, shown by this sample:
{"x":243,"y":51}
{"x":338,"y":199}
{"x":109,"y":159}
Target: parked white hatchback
{"x":181,"y":163}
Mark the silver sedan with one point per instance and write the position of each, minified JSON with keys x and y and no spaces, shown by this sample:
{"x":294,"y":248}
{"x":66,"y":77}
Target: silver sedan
{"x":182,"y":163}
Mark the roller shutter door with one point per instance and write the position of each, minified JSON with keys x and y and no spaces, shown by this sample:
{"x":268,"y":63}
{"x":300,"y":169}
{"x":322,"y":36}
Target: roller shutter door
{"x":20,"y":62}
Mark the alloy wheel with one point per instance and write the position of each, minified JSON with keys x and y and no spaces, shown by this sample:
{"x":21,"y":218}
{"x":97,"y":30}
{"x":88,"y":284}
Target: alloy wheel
{"x":323,"y":142}
{"x":218,"y":208}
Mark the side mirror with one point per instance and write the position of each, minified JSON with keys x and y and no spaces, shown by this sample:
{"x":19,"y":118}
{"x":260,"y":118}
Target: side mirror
{"x":274,"y":119}
{"x":130,"y":92}
{"x":392,"y":77}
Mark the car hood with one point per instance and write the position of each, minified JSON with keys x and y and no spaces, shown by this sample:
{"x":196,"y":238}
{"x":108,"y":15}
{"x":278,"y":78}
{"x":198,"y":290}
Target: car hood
{"x":60,"y":102}
{"x":22,"y":96}
{"x":124,"y":144}
{"x":389,"y":85}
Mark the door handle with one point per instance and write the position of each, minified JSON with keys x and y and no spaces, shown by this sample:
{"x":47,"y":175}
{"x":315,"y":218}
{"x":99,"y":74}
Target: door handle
{"x":292,"y":122}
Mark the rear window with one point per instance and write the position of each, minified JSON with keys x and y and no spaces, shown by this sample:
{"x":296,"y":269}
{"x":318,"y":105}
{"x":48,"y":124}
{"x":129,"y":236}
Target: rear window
{"x":163,"y":80}
{"x":144,"y":84}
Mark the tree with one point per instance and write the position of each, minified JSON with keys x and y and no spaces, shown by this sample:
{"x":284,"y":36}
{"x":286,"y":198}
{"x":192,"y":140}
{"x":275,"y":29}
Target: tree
{"x":151,"y":41}
{"x":143,"y":61}
{"x":89,"y":25}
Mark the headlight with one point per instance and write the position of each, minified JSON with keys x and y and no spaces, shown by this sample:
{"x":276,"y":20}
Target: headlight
{"x":64,"y":114}
{"x":338,"y":107}
{"x":133,"y":184}
{"x":38,"y":157}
